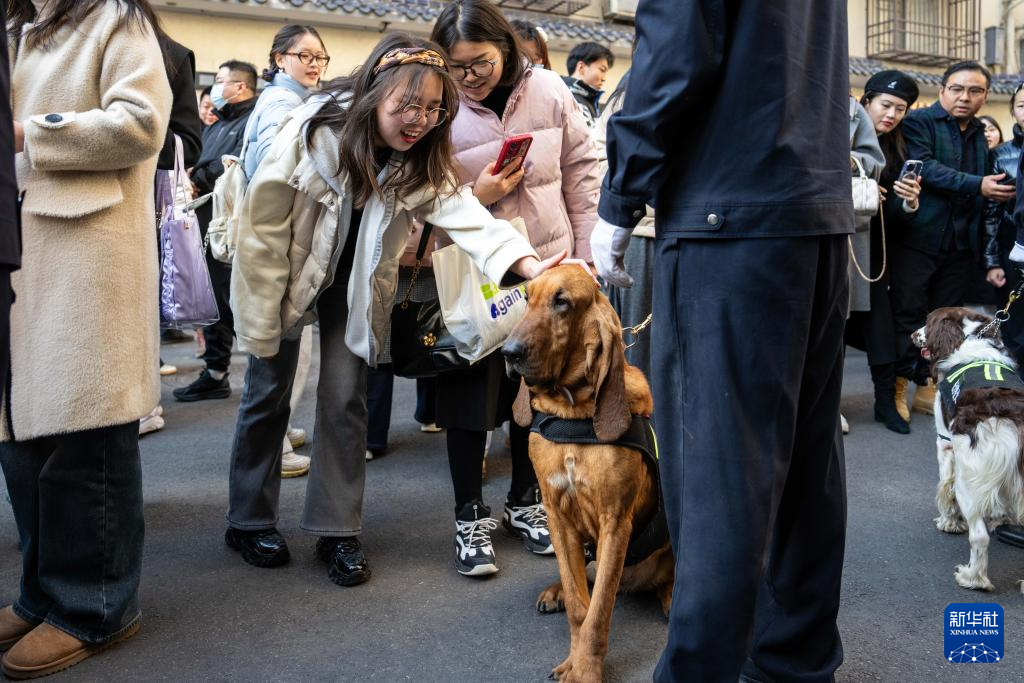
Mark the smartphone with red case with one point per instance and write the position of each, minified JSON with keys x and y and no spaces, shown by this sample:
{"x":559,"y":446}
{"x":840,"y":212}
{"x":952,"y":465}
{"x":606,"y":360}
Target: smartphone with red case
{"x":514,"y":148}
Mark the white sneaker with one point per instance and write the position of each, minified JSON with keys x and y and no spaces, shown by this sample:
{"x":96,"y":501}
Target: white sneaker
{"x":168,"y":369}
{"x":474,"y":554}
{"x":153,"y":422}
{"x":844,"y":424}
{"x":294,"y":465}
{"x":431,"y":428}
{"x":296,"y":436}
{"x":369,"y":455}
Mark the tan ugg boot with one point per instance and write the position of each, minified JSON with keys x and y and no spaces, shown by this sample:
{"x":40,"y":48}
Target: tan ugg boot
{"x":902,"y":405}
{"x":924,"y":398}
{"x":46,"y":650}
{"x":12,"y":628}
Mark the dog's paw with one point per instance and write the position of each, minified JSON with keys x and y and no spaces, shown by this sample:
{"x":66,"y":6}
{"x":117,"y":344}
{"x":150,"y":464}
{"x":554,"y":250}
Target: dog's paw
{"x":950,"y":525}
{"x":968,"y":578}
{"x":560,"y":672}
{"x":550,"y":599}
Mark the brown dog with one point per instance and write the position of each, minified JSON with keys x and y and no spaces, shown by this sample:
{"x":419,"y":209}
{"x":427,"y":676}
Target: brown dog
{"x":568,"y":349}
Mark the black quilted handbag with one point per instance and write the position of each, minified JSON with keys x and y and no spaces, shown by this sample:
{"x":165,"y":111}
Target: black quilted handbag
{"x":420,"y":343}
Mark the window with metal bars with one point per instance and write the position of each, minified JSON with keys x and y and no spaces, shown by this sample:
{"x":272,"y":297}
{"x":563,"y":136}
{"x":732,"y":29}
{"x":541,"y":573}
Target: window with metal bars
{"x":928,"y":32}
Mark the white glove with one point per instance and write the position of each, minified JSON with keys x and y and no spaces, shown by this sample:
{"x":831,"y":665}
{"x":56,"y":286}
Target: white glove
{"x":608,"y":249}
{"x":1017,"y":255}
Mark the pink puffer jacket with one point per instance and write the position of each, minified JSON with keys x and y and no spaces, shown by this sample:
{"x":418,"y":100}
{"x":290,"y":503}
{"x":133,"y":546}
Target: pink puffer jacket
{"x":558,"y":196}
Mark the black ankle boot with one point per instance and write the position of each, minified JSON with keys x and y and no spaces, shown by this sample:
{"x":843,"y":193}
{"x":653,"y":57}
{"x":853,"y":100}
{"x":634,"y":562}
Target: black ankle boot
{"x":885,"y":411}
{"x":883,"y":377}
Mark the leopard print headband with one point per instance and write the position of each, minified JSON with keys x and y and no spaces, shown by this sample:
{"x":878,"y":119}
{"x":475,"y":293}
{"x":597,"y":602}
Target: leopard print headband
{"x":401,"y":56}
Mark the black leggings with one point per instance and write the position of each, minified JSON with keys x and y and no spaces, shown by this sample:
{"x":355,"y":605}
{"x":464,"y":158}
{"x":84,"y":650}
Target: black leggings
{"x":466,"y":458}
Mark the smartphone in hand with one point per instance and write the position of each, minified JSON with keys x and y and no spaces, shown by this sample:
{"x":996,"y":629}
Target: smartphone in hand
{"x":911,"y":170}
{"x":514,"y":148}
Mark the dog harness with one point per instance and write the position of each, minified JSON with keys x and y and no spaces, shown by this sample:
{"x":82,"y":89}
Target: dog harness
{"x":980,"y":374}
{"x":640,"y":437}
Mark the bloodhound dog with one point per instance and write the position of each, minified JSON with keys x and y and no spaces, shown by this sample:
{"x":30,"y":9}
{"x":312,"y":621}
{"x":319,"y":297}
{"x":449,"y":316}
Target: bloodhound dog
{"x":569,"y":352}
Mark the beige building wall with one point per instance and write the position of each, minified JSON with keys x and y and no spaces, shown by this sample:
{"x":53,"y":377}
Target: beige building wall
{"x":216,"y":39}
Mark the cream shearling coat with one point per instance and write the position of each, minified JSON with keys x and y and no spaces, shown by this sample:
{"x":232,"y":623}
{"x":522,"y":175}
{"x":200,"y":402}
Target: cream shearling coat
{"x":84,"y":328}
{"x":294,"y":220}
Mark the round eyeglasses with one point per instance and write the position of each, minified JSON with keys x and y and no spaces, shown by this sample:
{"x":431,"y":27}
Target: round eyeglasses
{"x":412,"y":113}
{"x":480,"y":69}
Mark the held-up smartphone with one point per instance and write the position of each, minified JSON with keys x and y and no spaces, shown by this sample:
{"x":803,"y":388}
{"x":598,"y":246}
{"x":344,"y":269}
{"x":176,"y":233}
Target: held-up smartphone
{"x":911,"y":169}
{"x":514,"y":148}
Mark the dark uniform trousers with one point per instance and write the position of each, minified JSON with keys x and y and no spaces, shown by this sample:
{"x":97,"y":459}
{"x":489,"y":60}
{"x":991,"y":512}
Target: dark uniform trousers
{"x":748,"y":368}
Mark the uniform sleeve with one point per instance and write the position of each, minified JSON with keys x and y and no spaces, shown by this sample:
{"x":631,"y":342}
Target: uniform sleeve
{"x":679,"y":52}
{"x":127,"y":128}
{"x":259,"y":274}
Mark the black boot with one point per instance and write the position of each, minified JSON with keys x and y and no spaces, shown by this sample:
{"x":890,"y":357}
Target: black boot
{"x":884,"y":379}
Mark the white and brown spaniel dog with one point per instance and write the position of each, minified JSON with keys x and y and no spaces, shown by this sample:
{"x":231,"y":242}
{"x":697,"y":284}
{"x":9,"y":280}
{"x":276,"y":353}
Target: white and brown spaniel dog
{"x":979,"y":421}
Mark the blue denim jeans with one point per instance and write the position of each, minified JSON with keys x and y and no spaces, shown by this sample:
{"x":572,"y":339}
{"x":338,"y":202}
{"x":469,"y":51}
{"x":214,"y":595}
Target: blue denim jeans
{"x":77,"y":502}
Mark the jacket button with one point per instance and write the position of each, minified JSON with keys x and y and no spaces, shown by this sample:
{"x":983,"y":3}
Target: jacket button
{"x":639,"y":213}
{"x":53,"y":118}
{"x":713,"y":219}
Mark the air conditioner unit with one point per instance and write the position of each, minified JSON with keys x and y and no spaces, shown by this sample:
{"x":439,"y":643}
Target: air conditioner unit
{"x":620,"y":9}
{"x":995,"y":46}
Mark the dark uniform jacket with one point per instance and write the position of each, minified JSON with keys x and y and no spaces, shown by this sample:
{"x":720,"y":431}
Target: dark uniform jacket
{"x":1000,"y":229}
{"x":933,"y":136}
{"x":181,"y":74}
{"x":734,"y":125}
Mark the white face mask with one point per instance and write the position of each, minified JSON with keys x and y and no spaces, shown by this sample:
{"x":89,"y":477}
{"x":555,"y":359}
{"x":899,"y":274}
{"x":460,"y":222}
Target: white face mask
{"x":217,"y":96}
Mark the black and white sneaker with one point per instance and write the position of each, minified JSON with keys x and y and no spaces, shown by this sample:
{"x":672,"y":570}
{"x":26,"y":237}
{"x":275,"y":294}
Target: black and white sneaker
{"x":527,"y":519}
{"x":474,"y":554}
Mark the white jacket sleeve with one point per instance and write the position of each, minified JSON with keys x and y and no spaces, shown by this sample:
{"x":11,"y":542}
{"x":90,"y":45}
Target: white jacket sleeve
{"x":259,"y":274}
{"x":493,"y":244}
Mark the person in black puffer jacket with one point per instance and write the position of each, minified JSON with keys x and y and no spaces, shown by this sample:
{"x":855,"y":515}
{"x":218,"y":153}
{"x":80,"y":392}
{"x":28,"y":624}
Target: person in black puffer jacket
{"x":1001,"y":230}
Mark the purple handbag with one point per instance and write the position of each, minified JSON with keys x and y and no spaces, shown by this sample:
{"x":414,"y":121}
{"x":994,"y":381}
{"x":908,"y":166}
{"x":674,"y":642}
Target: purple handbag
{"x":186,"y":293}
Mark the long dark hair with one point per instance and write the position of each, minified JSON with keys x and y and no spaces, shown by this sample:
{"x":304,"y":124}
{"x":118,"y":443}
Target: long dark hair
{"x":893,"y":145}
{"x":352,"y":117}
{"x":284,"y":40}
{"x":479,"y":21}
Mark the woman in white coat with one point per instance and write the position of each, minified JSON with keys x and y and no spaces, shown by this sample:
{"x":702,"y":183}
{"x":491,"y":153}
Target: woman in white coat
{"x":91,"y":104}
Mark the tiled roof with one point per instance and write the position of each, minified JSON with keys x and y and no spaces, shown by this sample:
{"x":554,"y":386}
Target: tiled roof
{"x":578,"y":30}
{"x":1003,"y":84}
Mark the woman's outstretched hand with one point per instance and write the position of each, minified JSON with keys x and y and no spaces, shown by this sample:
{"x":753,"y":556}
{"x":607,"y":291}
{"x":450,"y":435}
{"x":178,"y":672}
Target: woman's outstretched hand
{"x":530,"y":267}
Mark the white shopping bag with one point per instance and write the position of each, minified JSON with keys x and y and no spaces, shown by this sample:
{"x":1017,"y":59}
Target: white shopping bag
{"x":477,"y":313}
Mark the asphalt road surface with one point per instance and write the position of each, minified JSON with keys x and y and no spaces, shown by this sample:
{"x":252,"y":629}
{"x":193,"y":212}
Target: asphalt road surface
{"x":209,"y":616}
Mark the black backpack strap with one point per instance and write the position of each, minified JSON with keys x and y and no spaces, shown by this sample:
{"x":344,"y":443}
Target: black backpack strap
{"x":424,"y":240}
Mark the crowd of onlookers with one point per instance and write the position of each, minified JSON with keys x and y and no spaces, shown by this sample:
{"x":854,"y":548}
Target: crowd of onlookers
{"x":343,"y":177}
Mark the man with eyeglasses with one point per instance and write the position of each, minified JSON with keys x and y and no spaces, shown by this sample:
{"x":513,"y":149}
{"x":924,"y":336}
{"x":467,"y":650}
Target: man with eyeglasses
{"x":937,"y":248}
{"x":234,"y":97}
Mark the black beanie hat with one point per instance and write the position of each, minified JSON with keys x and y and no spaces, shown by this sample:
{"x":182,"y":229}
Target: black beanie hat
{"x":895,"y":83}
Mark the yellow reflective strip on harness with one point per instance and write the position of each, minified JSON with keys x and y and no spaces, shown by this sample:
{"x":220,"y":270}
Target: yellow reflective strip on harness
{"x":978,"y":364}
{"x":654,"y":438}
{"x":999,"y":373}
{"x":988,"y":372}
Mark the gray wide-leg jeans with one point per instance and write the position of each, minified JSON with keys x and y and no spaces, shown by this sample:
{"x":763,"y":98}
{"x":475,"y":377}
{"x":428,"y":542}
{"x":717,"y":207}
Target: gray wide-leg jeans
{"x":337,"y":475}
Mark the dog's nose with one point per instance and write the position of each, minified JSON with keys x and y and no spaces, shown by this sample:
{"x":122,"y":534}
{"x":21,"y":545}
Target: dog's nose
{"x":513,"y":350}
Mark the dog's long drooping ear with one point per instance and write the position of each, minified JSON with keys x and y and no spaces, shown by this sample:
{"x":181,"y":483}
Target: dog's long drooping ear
{"x":522,"y":412}
{"x":606,"y":372}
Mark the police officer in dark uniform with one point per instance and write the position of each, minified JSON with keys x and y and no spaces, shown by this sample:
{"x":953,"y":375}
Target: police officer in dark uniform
{"x":753,"y":213}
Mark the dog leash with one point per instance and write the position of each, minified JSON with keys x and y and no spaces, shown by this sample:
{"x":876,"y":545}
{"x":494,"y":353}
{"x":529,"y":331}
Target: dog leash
{"x":635,"y":331}
{"x":1003,"y":315}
